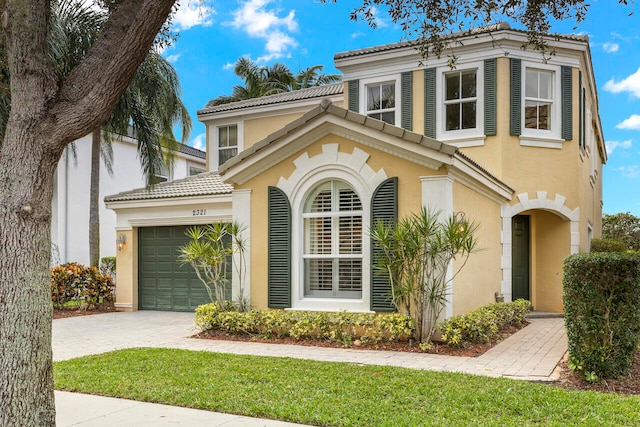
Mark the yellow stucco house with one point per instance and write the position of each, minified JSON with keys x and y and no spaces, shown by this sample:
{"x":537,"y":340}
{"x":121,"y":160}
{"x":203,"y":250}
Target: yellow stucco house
{"x":511,"y":140}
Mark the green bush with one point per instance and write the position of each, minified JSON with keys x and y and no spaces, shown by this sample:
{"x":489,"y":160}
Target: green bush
{"x":79,"y":284}
{"x":341,"y":326}
{"x":601,"y":293}
{"x":607,"y":245}
{"x":484,"y":324}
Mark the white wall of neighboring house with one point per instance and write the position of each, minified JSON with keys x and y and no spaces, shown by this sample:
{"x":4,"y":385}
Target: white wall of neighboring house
{"x":70,"y":204}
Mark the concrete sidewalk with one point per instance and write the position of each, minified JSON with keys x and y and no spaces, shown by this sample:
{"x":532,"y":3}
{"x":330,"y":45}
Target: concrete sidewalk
{"x":75,"y":409}
{"x":530,"y":354}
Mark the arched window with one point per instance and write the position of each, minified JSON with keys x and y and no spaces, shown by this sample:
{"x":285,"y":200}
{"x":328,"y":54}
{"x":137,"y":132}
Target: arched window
{"x":333,"y":242}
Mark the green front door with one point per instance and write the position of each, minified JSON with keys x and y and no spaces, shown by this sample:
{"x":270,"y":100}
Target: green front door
{"x":163,"y":283}
{"x":520,"y":257}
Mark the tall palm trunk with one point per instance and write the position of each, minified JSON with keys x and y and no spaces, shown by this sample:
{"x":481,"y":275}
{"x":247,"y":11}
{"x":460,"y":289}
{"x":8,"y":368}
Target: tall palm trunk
{"x":94,"y":200}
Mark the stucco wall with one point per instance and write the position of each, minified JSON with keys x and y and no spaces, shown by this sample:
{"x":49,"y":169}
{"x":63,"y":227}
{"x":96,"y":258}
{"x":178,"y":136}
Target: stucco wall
{"x":479,"y":279}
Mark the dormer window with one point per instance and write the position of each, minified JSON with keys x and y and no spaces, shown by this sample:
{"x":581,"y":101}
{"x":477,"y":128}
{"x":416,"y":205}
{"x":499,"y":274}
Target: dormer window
{"x":381,"y":101}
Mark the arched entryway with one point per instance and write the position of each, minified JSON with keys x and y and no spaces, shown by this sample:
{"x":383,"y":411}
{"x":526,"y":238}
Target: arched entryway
{"x":538,"y":234}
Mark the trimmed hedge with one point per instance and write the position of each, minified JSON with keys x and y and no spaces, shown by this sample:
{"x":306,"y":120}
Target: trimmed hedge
{"x":601,"y":293}
{"x":341,"y":326}
{"x":73,"y":282}
{"x":607,"y":245}
{"x":484,"y":324}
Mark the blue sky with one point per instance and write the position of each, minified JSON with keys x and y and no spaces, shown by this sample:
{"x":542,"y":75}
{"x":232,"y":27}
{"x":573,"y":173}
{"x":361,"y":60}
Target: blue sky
{"x":302,"y":33}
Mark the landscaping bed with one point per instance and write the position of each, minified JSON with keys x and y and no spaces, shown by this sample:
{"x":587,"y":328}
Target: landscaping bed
{"x":75,"y":311}
{"x":628,"y":384}
{"x":471,"y":350}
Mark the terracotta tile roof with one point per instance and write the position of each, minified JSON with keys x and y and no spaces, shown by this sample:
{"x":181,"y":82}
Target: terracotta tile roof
{"x":205,"y":184}
{"x":296,"y":95}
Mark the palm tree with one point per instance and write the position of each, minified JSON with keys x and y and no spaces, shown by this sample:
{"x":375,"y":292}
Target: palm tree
{"x":268,"y":80}
{"x":151,"y":105}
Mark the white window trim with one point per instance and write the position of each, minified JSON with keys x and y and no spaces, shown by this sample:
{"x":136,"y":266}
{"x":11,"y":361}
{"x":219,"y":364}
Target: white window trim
{"x":539,"y":137}
{"x":195,"y":166}
{"x":463,"y":137}
{"x":215,"y":138}
{"x":302,"y":191}
{"x":381,"y":80}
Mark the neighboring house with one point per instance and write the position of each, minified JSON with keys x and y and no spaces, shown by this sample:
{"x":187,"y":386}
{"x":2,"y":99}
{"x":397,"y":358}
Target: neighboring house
{"x":507,"y":139}
{"x":70,"y":205}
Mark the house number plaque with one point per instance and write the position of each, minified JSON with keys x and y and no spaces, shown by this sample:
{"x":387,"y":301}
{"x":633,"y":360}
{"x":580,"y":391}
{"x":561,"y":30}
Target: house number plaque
{"x":199,"y":212}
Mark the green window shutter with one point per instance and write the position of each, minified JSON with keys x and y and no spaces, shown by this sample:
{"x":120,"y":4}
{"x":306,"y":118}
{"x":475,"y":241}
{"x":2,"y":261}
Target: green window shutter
{"x":354,"y":95}
{"x":406,"y":92}
{"x":430,"y":102}
{"x":384,"y":207}
{"x":566,"y":87}
{"x":516,"y":96}
{"x":581,"y":112}
{"x":279,"y":242}
{"x":490,"y":96}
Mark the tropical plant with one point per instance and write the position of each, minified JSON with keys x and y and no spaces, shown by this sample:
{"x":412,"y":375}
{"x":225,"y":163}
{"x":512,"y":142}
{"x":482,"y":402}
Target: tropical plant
{"x":266,"y":80}
{"x":213,"y":251}
{"x":416,"y":253}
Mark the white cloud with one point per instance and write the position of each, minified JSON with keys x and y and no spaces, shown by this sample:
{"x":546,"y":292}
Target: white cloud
{"x":610,"y":47}
{"x":629,"y":171}
{"x":356,"y":35}
{"x":258,"y":21}
{"x":612,"y":145}
{"x":630,"y":84}
{"x":191,"y":14}
{"x":631,"y":123}
{"x":199,"y":142}
{"x":228,"y":66}
{"x":377,"y":20}
{"x":173,"y":58}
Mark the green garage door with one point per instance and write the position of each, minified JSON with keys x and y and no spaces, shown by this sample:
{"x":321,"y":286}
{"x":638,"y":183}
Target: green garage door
{"x":163,"y":283}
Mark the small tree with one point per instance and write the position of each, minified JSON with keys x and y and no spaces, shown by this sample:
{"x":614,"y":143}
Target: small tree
{"x":211,"y":252}
{"x":417,"y":254}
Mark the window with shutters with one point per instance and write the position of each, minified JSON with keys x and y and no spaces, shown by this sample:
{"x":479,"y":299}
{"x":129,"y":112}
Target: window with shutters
{"x":541,"y":106}
{"x":381,"y":101}
{"x":538,"y":99}
{"x":459,"y":107}
{"x":333,"y":254}
{"x":460,"y":100}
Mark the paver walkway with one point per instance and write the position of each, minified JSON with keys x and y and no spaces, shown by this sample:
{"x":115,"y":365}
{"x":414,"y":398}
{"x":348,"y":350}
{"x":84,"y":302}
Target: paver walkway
{"x":532,"y":353}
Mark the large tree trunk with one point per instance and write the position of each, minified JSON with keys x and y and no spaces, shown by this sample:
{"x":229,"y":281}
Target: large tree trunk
{"x":94,"y":200}
{"x":26,"y":380}
{"x":47,"y":112}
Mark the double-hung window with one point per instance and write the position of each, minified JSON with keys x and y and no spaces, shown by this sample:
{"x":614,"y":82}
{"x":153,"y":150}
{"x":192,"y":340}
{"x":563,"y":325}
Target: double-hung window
{"x":227,"y":142}
{"x":460,"y":100}
{"x":381,"y":101}
{"x":538,"y":102}
{"x":333,"y":242}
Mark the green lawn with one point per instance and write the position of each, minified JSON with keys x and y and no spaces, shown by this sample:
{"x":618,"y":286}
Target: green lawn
{"x":335,"y":394}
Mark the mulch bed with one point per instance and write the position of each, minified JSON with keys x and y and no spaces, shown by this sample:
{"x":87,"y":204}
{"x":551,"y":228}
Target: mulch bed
{"x":629,"y":384}
{"x":436,"y":348}
{"x":83,"y":311}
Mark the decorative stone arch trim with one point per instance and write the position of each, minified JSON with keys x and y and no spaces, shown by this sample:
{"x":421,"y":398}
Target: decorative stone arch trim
{"x":331,"y":158}
{"x":541,"y":202}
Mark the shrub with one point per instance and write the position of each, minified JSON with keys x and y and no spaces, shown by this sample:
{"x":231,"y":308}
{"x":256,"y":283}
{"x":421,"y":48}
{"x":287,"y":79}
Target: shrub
{"x":341,"y":326}
{"x":607,"y":245}
{"x":108,"y":266}
{"x":602,"y":312}
{"x":484,"y":324}
{"x":75,"y":283}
